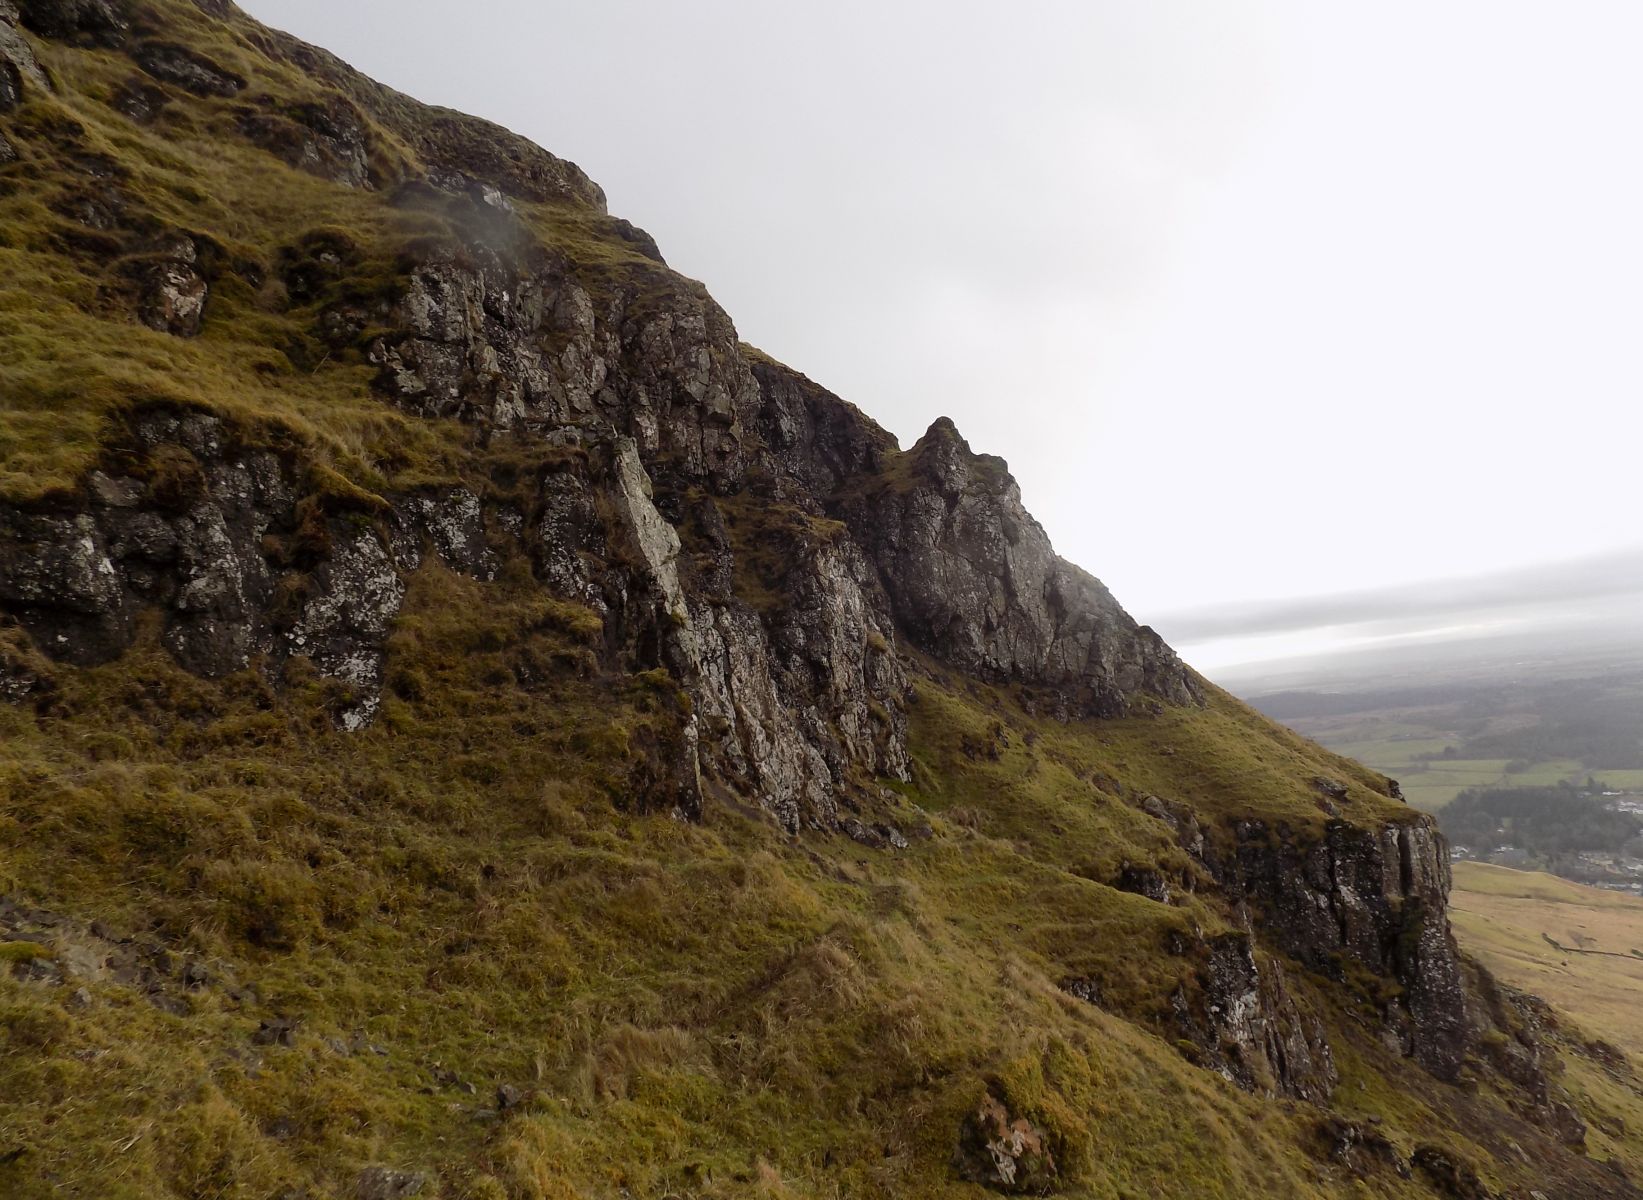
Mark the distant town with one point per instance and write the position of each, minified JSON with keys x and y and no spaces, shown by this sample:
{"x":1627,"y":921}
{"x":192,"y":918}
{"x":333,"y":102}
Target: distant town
{"x":1617,"y":870}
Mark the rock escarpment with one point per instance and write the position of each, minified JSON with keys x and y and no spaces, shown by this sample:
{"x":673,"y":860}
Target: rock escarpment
{"x":724,"y":518}
{"x":1373,"y":899}
{"x":778,"y":612}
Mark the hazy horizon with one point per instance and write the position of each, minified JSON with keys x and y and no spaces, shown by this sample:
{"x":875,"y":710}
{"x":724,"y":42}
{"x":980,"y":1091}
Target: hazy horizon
{"x":1258,"y":300}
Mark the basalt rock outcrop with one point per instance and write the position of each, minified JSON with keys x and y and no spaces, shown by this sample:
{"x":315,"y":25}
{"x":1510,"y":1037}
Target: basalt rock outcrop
{"x":1376,"y":898}
{"x":973,"y":580}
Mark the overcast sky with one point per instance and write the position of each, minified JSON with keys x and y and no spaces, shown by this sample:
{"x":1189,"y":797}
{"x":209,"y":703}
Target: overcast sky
{"x":1261,"y":299}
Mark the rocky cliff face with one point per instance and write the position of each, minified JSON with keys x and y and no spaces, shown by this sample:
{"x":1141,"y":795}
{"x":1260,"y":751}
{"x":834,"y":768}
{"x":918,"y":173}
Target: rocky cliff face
{"x":1376,"y":898}
{"x":783,"y":632}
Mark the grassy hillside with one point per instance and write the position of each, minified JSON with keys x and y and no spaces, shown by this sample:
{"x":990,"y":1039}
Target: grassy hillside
{"x":457,"y":953}
{"x":385,"y":928}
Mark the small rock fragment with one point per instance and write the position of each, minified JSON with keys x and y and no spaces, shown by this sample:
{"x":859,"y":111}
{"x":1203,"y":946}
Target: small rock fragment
{"x":384,"y":1183}
{"x":275,"y":1031}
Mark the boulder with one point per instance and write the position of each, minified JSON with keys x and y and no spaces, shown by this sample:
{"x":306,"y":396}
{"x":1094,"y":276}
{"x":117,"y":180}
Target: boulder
{"x":1004,"y":1152}
{"x":172,"y":291}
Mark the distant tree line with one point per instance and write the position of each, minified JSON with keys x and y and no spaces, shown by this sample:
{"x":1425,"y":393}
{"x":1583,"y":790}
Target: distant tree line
{"x":1544,"y":821}
{"x":1294,"y":705}
{"x":1602,"y":739}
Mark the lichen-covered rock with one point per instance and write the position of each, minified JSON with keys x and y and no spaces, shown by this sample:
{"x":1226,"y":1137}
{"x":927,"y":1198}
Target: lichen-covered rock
{"x":212,"y":535}
{"x":57,"y":581}
{"x":487,"y":341}
{"x":1003,"y":1152}
{"x":973,"y":580}
{"x":172,"y":289}
{"x":84,"y":22}
{"x":385,"y":1183}
{"x":140,"y":99}
{"x":791,"y":705}
{"x":357,"y":594}
{"x":1361,"y":1149}
{"x":523,"y":348}
{"x":18,"y":68}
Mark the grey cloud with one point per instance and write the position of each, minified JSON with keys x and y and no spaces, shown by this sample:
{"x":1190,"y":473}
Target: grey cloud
{"x":1213,"y":288}
{"x":1548,"y":591}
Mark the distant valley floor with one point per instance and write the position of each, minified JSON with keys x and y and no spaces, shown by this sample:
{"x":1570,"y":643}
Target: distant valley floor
{"x":1509,"y":921}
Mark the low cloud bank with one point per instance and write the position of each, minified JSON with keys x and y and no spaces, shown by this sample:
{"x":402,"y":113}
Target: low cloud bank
{"x":1597,"y":593}
{"x":1567,"y":587}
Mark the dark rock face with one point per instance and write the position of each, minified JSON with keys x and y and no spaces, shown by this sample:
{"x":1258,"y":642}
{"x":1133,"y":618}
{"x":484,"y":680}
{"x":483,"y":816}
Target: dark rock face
{"x":194,"y":535}
{"x":821,"y":441}
{"x":794,"y":707}
{"x":192,"y":72}
{"x":84,"y":22}
{"x":973,"y":580}
{"x":1376,"y":897}
{"x":326,"y":139}
{"x":457,"y":149}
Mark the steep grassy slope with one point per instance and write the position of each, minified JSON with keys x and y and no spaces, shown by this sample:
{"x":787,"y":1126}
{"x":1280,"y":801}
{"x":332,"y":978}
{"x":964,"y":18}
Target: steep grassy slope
{"x":468,"y":728}
{"x":715,"y":1009}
